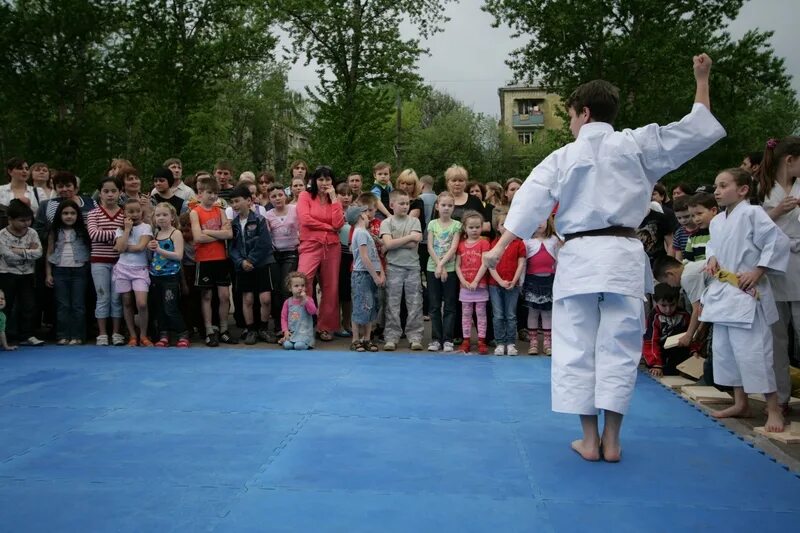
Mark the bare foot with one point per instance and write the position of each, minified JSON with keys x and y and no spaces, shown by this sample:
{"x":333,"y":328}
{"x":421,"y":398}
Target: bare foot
{"x":611,"y":454}
{"x":588,"y":452}
{"x":775,"y":422}
{"x":735,"y":411}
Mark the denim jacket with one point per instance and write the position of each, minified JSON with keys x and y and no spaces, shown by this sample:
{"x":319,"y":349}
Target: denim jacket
{"x":80,"y":250}
{"x":253,"y":244}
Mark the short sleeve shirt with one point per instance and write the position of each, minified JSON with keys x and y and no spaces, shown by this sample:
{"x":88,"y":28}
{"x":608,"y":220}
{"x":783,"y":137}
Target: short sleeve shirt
{"x":441,"y":238}
{"x":361,"y":237}
{"x":397,"y":227}
{"x":471,"y":255}
{"x":135,"y":258}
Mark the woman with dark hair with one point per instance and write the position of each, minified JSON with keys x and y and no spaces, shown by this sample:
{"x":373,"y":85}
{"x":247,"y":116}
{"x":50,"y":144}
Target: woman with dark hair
{"x":18,"y":188}
{"x":320,"y":216}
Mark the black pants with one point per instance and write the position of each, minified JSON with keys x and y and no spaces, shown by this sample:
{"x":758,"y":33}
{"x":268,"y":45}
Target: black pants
{"x":167,"y":290}
{"x":20,"y":304}
{"x":443,"y":322}
{"x":285,"y":262}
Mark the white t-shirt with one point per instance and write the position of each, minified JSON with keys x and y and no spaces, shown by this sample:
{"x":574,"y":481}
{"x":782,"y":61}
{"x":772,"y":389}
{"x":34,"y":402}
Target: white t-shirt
{"x":135,"y":258}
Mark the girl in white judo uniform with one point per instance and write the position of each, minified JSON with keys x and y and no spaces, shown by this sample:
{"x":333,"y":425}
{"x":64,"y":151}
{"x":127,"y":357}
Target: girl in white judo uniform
{"x":779,"y":192}
{"x":603,"y":182}
{"x":745,"y":244}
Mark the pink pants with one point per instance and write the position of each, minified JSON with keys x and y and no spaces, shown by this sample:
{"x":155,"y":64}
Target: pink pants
{"x":323,"y":259}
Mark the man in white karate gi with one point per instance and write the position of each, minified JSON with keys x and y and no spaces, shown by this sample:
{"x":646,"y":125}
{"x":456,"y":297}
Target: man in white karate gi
{"x":602,"y":183}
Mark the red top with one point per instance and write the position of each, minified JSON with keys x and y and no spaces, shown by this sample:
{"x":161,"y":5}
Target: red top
{"x":541,"y":262}
{"x":319,"y":222}
{"x":209,"y":219}
{"x":507,"y":266}
{"x":471,"y":255}
{"x":102,"y":228}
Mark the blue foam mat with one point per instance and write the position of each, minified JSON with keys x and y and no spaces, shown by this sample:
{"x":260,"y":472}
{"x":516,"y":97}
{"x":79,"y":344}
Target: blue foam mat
{"x":98,"y":439}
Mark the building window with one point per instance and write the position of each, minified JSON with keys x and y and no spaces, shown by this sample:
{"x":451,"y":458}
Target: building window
{"x":527,"y":107}
{"x":525,"y":137}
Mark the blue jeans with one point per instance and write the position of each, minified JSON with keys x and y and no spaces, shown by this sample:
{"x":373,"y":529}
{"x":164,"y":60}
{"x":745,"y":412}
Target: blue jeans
{"x":443,"y":323}
{"x":109,"y":301}
{"x":504,"y":313}
{"x":69,"y":288}
{"x":299,"y":345}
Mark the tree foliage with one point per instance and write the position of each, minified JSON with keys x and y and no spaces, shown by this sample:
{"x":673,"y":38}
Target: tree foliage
{"x":362,"y":63}
{"x":644,"y":47}
{"x":88,"y":80}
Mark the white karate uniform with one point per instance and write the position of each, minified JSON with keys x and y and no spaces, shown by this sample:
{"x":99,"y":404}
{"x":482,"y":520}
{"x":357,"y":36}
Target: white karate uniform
{"x":786,"y":287}
{"x":741,"y":241}
{"x":603,"y":179}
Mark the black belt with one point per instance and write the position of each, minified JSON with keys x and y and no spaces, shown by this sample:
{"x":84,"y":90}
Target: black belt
{"x":611,"y":231}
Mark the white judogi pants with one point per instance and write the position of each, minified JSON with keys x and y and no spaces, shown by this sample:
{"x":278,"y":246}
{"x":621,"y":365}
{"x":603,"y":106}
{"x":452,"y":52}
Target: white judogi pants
{"x":743,"y":357}
{"x":787,"y":312}
{"x":597,"y":346}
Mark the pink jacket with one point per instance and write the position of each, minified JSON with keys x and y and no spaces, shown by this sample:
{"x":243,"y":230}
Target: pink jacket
{"x":319,"y":222}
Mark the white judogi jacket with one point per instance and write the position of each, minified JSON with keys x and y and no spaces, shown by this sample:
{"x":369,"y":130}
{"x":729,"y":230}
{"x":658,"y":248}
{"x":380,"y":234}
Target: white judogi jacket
{"x":786,"y":286}
{"x":741,"y":241}
{"x":605,"y":178}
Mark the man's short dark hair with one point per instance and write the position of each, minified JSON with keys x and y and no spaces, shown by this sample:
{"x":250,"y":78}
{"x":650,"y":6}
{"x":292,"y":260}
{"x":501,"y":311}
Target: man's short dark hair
{"x":600,"y":97}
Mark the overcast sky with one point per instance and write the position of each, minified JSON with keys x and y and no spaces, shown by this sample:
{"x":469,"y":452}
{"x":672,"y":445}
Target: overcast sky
{"x":467,"y":59}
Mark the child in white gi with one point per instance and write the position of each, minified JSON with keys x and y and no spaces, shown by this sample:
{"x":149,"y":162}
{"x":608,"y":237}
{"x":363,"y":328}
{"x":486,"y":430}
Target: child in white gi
{"x":603,"y":270}
{"x":779,"y":193}
{"x":745,"y":244}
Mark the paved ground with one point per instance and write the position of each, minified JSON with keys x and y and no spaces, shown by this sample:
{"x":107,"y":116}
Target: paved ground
{"x":264,"y":440}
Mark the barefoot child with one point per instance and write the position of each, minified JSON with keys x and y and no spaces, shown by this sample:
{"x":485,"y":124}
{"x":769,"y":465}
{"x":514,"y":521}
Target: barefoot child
{"x":745,"y":244}
{"x":603,"y":270}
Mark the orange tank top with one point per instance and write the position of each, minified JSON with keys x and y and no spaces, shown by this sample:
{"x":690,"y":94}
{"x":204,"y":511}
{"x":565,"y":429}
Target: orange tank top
{"x":210,"y":251}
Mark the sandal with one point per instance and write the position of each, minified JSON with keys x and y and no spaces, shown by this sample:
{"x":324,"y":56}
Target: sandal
{"x":163,"y":342}
{"x":325,"y":336}
{"x":182,"y":343}
{"x":357,"y":346}
{"x":372,"y":346}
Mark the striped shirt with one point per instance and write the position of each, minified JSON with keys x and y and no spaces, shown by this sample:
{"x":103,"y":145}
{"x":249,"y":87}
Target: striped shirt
{"x":102,"y":231}
{"x":679,"y":238}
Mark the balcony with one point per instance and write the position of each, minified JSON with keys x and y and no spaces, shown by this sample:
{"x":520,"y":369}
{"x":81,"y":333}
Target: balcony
{"x":528,"y":121}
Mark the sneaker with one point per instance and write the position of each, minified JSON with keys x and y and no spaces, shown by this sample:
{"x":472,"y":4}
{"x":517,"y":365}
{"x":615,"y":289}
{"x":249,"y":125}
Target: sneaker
{"x":250,"y":338}
{"x":483,"y":348}
{"x":448,"y":346}
{"x":390,"y":346}
{"x":416,"y":346}
{"x":500,"y":350}
{"x":511,"y":350}
{"x":225,"y":337}
{"x":62,"y":342}
{"x":117,"y":339}
{"x":75,"y":342}
{"x":101,"y":340}
{"x":434,"y":347}
{"x":464,"y":347}
{"x":32,"y":341}
{"x":426,"y":318}
{"x":212,"y":340}
{"x":266,"y":336}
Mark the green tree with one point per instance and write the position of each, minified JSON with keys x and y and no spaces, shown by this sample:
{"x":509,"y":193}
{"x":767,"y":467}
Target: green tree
{"x":644,"y":47}
{"x":362,"y":61}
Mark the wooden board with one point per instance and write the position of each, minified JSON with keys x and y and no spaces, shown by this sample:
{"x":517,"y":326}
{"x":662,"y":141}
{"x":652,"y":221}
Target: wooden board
{"x":692,"y":367}
{"x":704,"y":394}
{"x":675,"y":382}
{"x":760,"y":398}
{"x":672,"y":342}
{"x":791,"y":435}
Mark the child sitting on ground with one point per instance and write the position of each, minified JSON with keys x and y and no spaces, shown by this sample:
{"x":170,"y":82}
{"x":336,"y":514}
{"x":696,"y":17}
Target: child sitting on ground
{"x":668,"y":320}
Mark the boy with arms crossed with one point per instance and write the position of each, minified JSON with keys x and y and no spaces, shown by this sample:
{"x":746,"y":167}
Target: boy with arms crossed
{"x":604,"y":272}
